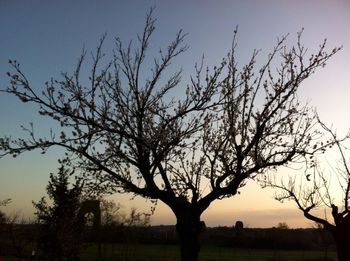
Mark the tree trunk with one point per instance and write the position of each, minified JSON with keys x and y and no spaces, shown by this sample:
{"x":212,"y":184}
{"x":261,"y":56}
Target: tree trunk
{"x":342,"y":239}
{"x":188,"y":228}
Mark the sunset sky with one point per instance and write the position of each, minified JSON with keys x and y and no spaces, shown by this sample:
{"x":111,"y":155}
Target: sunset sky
{"x":47,"y":37}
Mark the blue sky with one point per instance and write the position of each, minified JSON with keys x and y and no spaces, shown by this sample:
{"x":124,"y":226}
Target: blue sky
{"x":47,"y":37}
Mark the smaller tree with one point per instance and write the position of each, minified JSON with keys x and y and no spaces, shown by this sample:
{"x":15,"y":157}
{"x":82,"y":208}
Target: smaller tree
{"x":2,"y":214}
{"x":3,"y":221}
{"x":4,"y":202}
{"x":315,"y":191}
{"x":62,"y":228}
{"x":282,"y":225}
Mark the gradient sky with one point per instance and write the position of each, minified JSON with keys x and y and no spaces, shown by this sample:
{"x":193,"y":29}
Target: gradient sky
{"x":46,"y":37}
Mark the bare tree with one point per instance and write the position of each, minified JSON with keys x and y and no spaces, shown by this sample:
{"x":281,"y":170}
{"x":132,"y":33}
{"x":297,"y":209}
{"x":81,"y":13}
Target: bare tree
{"x":142,"y":135}
{"x":315,"y":192}
{"x":111,"y":213}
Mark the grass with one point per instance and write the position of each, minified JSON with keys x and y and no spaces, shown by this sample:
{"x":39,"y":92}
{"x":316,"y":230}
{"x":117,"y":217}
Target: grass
{"x":141,"y":252}
{"x":208,"y":253}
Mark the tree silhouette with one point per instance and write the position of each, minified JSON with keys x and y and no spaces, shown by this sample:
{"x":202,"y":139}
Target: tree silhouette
{"x":61,"y":225}
{"x":184,"y":146}
{"x":3,"y":202}
{"x":3,"y":221}
{"x":316,"y":192}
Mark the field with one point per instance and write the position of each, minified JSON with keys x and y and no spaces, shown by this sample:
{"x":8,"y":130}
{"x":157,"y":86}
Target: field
{"x":218,"y":244}
{"x":171,"y":253}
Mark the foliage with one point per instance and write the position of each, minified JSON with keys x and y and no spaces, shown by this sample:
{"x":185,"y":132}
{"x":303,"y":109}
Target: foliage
{"x":5,"y":202}
{"x":61,"y":227}
{"x":282,"y":225}
{"x":3,"y":221}
{"x":3,"y":218}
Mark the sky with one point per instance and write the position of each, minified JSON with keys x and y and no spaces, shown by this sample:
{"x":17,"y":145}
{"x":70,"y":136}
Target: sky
{"x":46,"y":38}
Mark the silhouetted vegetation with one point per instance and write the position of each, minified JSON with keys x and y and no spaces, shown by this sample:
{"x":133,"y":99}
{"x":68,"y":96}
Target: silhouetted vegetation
{"x":315,"y":191}
{"x":17,"y":235}
{"x":122,"y":242}
{"x":60,"y":224}
{"x":146,"y":135}
{"x":2,"y":214}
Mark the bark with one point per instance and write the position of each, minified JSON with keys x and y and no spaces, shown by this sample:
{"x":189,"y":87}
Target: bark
{"x":341,"y":233}
{"x":342,"y":239}
{"x":189,"y":228}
